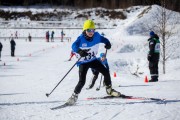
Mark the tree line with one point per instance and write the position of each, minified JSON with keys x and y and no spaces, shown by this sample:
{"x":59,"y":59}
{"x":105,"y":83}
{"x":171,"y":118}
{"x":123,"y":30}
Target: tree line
{"x":110,"y":4}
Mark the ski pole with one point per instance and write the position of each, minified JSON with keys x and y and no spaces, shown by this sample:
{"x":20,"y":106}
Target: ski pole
{"x":97,"y":89}
{"x":47,"y":94}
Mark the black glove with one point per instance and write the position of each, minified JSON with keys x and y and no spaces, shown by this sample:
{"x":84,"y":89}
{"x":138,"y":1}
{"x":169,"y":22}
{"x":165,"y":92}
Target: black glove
{"x":149,"y":57}
{"x":107,"y":46}
{"x":82,"y":53}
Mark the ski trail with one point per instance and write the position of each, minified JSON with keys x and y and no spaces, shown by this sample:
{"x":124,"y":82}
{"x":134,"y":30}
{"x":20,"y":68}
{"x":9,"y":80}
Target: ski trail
{"x":115,"y":115}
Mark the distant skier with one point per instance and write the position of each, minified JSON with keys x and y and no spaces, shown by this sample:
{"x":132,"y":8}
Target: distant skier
{"x":62,"y":36}
{"x":104,"y":61}
{"x":71,"y":55}
{"x":13,"y":44}
{"x":47,"y":36}
{"x":52,"y":36}
{"x":1,"y":46}
{"x":29,"y":38}
{"x":16,"y":35}
{"x":153,"y":56}
{"x":86,"y":46}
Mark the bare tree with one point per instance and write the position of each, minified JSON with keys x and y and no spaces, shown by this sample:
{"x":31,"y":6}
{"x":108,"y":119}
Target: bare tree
{"x":165,"y":22}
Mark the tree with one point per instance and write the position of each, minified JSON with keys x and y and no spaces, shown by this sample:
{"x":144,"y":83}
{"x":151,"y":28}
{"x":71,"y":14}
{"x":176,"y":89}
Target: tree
{"x":165,"y":22}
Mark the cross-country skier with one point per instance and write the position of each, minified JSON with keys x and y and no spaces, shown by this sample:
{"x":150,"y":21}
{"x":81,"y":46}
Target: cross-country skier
{"x":86,"y":46}
{"x":153,"y":56}
{"x":103,"y":60}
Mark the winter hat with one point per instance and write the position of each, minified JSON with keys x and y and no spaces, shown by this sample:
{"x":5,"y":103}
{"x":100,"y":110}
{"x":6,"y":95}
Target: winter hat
{"x":88,"y":24}
{"x":102,"y":55}
{"x":151,"y":33}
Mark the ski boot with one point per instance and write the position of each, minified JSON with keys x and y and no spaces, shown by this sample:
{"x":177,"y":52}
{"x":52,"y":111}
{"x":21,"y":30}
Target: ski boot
{"x":153,"y":80}
{"x":112,"y":92}
{"x":72,"y":100}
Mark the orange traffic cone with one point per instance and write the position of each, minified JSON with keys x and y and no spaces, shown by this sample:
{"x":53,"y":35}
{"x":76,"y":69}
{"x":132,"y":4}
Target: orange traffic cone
{"x":114,"y":74}
{"x":146,"y":80}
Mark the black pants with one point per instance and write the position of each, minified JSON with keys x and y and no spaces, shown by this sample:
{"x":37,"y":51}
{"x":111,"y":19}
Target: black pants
{"x":153,"y":67}
{"x":0,"y":55}
{"x":83,"y":68}
{"x":12,"y":52}
{"x":95,"y":77}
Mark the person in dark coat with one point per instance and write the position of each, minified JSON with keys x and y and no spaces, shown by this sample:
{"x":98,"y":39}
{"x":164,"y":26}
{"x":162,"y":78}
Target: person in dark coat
{"x":29,"y":37}
{"x":1,"y":46}
{"x":13,"y":44}
{"x":52,"y":36}
{"x":153,"y":56}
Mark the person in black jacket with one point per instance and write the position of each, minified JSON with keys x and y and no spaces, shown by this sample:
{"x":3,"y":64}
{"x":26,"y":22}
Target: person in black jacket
{"x":13,"y":44}
{"x":1,"y":46}
{"x":153,"y":56}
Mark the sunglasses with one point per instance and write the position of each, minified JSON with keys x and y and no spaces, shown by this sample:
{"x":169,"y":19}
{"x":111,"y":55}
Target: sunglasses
{"x":90,"y":30}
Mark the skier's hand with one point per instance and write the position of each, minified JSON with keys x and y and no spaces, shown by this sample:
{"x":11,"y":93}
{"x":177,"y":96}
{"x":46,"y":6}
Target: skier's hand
{"x":107,"y":46}
{"x":82,"y":53}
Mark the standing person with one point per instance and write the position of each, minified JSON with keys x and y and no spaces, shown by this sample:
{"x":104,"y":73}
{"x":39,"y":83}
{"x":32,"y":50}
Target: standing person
{"x":29,"y":37}
{"x":86,"y":46}
{"x":13,"y":44}
{"x":1,"y":46}
{"x":153,"y":56}
{"x":47,"y":36}
{"x":16,"y":35}
{"x":62,"y":35}
{"x":104,"y":61}
{"x":71,"y":55}
{"x":52,"y":36}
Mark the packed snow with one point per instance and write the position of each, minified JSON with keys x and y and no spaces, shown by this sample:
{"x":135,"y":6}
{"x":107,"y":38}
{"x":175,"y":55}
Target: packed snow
{"x":39,"y":65}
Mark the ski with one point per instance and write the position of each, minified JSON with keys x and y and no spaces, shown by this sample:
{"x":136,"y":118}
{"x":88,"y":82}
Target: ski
{"x":61,"y":106}
{"x":125,"y":97}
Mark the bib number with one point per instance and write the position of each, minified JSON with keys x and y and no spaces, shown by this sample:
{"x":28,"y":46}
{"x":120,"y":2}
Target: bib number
{"x":90,"y":56}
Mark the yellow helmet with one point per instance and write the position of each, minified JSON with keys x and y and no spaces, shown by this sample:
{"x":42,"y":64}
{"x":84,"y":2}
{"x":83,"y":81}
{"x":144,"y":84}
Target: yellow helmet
{"x":88,"y":24}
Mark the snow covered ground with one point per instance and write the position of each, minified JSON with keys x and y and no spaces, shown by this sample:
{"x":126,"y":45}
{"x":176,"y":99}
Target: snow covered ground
{"x":38,"y":66}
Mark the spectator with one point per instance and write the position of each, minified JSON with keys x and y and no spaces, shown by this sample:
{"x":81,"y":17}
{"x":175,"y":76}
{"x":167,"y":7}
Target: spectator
{"x":153,"y":56}
{"x":13,"y":44}
{"x":52,"y":36}
{"x":29,"y":37}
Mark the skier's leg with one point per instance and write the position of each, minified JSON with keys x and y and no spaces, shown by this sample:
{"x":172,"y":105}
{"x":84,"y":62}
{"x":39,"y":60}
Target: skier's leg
{"x":82,"y":78}
{"x":156,"y":70}
{"x":107,"y":79}
{"x":93,"y":80}
{"x":97,"y":65}
{"x":152,"y":68}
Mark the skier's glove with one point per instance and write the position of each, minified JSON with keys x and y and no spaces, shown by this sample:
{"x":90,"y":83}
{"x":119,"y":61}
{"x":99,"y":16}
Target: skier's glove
{"x":82,"y":53}
{"x":107,"y":46}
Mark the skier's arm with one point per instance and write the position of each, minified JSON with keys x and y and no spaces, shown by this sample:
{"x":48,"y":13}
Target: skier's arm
{"x":75,"y":45}
{"x":151,"y":47}
{"x":106,"y":42}
{"x":151,"y":50}
{"x":75,"y":48}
